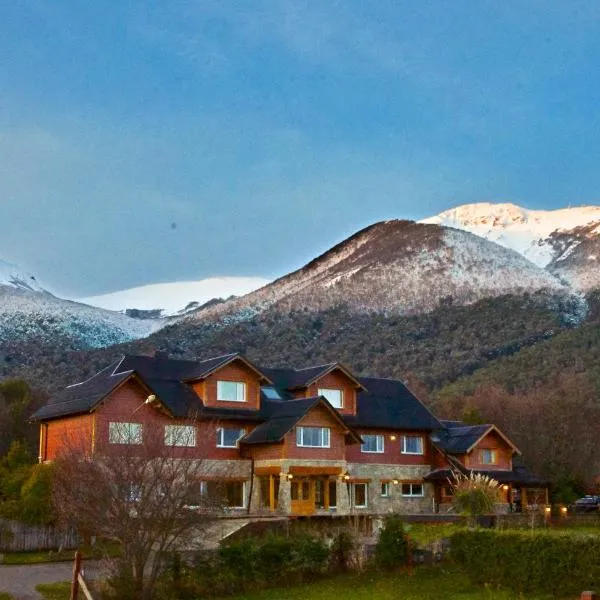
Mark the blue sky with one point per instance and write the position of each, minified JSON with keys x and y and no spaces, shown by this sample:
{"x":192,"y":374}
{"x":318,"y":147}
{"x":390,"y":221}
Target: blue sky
{"x":156,"y":141}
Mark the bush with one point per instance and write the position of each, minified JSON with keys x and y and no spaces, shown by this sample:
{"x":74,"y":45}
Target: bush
{"x":526,"y":562}
{"x":392,"y":547}
{"x":341,"y":551}
{"x":475,"y":494}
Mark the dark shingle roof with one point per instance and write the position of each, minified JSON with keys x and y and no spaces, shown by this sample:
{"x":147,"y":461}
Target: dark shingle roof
{"x":296,"y":378}
{"x":458,"y":437}
{"x":389,"y":404}
{"x":82,"y":397}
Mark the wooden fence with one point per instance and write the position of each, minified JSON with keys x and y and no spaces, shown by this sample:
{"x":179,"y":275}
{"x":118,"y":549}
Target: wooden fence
{"x":19,"y":537}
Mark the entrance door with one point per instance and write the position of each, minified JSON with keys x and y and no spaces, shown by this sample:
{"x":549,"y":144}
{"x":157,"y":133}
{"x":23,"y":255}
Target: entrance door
{"x":303,"y":496}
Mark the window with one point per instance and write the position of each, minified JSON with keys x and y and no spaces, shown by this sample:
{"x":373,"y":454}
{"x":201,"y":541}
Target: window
{"x":412,"y":490}
{"x":271,"y":393}
{"x":372,"y":443}
{"x":231,"y":391}
{"x":312,"y":437}
{"x":488,"y":457}
{"x":332,"y":494}
{"x":228,"y":437}
{"x":234,"y":494}
{"x":359,"y":495}
{"x":125,"y":433}
{"x":412,"y":444}
{"x":180,"y":435}
{"x":385,"y":489}
{"x":333,"y":396}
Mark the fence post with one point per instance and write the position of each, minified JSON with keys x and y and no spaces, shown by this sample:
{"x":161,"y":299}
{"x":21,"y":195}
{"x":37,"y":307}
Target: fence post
{"x":589,"y":596}
{"x":75,"y":580}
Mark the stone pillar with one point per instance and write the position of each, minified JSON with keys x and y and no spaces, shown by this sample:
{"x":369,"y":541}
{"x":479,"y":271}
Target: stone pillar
{"x":255,"y":505}
{"x":343,"y":497}
{"x":285,"y":495}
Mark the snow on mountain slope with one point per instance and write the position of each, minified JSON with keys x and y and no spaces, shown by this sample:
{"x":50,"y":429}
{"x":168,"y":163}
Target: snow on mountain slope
{"x":11,"y":275}
{"x":29,"y":312}
{"x":178,"y":297}
{"x":397,"y":267}
{"x":565,"y":241}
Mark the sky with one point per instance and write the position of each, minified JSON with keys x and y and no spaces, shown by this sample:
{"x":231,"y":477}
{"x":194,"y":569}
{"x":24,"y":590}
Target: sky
{"x":146,"y":142}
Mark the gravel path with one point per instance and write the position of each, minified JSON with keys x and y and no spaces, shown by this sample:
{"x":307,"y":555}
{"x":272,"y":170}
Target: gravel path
{"x":20,"y":580}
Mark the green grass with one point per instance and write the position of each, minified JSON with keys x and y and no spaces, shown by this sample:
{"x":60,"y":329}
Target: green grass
{"x":55,"y":591}
{"x":426,"y":583}
{"x":46,"y":556}
{"x":5,"y":596}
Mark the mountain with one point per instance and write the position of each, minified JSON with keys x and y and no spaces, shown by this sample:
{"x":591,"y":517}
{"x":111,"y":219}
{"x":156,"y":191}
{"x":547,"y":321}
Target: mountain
{"x":398,"y":267}
{"x":566,"y":242}
{"x":31,"y":314}
{"x":176,"y":298}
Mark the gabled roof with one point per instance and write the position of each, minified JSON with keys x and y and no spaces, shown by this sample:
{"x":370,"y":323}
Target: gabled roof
{"x":207,"y":367}
{"x":82,"y":397}
{"x":292,"y":379}
{"x":283,"y":416}
{"x":459,"y":438}
{"x":389,"y":404}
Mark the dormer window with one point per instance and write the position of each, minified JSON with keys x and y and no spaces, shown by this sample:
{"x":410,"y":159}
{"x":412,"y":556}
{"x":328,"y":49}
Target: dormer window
{"x":335,"y":397}
{"x":488,"y":456}
{"x":231,"y":391}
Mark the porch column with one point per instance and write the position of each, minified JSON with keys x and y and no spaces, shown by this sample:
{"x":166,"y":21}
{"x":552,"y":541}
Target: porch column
{"x":285,"y":495}
{"x":343,"y":497}
{"x":255,"y":499}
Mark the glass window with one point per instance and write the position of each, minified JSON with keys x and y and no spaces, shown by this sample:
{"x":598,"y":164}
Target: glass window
{"x":333,"y":396}
{"x":414,"y":490}
{"x":125,"y":433}
{"x":180,"y":435}
{"x":488,"y":457}
{"x":412,"y":444}
{"x":359,"y":494}
{"x":231,"y":391}
{"x":385,"y":488}
{"x":332,"y":494}
{"x":235,"y":494}
{"x":372,"y":443}
{"x":312,"y":437}
{"x":228,"y":437}
{"x":271,"y":393}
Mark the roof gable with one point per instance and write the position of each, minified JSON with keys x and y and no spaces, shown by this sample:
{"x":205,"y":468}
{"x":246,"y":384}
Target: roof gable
{"x":207,"y":367}
{"x":458,"y":438}
{"x":293,"y":379}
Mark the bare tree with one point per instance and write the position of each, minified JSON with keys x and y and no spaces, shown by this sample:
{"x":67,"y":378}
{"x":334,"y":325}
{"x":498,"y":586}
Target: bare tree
{"x":145,"y":494}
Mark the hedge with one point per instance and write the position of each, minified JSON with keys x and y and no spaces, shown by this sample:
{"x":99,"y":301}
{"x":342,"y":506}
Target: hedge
{"x":535,"y":561}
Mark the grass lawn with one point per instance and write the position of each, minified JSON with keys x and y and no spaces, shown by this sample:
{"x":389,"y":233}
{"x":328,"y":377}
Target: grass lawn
{"x":427,"y":583}
{"x":45,"y":556}
{"x":55,"y":591}
{"x":5,"y":596}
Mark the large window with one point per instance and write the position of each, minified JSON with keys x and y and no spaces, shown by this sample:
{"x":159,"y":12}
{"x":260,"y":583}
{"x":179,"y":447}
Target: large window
{"x":226,"y":494}
{"x":180,"y":435}
{"x":412,"y":490}
{"x":125,"y":433}
{"x":385,"y":489}
{"x":488,"y":456}
{"x":231,"y":391}
{"x":372,"y":443}
{"x":228,"y":437}
{"x":333,"y":396}
{"x":312,"y":437}
{"x":412,"y":444}
{"x":234,"y":494}
{"x":360,"y":495}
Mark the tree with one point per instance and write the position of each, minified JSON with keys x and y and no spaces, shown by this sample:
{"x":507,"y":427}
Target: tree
{"x":147,"y":497}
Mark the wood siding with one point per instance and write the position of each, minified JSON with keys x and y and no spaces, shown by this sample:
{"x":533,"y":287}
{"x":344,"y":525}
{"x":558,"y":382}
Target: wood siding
{"x":337,"y":379}
{"x":392,"y":449}
{"x":492,"y":441}
{"x":64,"y":435}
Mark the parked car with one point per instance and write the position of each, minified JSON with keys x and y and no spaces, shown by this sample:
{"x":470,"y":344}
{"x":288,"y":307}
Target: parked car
{"x":586,"y":504}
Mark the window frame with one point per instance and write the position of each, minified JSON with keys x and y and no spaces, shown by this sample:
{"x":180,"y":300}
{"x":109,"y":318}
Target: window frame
{"x":300,"y":437}
{"x":386,"y":489}
{"x":220,"y":437}
{"x":493,"y":454}
{"x":244,"y":494}
{"x":237,"y":383}
{"x":378,"y":437}
{"x":176,"y":443}
{"x":118,"y":427}
{"x":403,"y":450}
{"x":412,"y":494}
{"x":366,"y":488}
{"x":323,"y":392}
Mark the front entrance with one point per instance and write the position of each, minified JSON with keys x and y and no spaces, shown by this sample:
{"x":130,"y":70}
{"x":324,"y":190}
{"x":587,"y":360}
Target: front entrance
{"x":303,"y":496}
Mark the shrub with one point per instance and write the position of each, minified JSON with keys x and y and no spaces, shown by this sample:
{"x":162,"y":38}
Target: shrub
{"x":341,"y":551}
{"x":392,"y":547}
{"x":536,"y":561}
{"x":475,"y":494}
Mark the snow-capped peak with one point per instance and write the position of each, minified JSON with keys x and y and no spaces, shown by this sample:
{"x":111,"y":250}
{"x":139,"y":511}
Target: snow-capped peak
{"x":526,"y":231}
{"x":12,"y":276}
